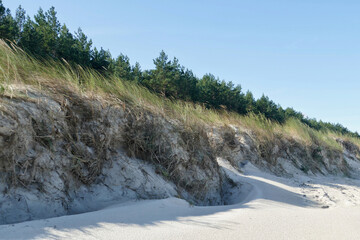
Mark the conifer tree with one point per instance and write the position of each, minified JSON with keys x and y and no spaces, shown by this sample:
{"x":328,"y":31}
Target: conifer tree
{"x":136,"y":73}
{"x":20,"y":18}
{"x":8,"y":27}
{"x":45,"y":37}
{"x":122,"y":67}
{"x":31,"y":40}
{"x":66,"y":47}
{"x":83,"y":48}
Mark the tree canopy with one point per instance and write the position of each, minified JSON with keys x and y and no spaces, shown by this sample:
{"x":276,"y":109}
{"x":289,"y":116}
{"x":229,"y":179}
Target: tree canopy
{"x":45,"y":37}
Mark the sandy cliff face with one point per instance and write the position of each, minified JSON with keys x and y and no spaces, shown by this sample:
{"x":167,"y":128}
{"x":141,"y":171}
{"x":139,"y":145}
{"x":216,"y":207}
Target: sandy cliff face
{"x":61,"y":153}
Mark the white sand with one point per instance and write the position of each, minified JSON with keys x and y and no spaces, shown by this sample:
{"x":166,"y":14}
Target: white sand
{"x":270,"y":208}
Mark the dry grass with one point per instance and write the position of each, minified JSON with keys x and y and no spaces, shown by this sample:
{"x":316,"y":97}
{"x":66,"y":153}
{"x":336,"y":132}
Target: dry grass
{"x":16,"y":67}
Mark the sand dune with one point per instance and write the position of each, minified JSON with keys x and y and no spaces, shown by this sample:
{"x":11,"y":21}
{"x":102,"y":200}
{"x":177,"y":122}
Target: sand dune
{"x":267,"y":207}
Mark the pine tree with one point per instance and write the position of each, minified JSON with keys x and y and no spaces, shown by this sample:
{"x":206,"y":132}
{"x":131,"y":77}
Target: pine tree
{"x":8,"y":27}
{"x":208,"y":87}
{"x":20,"y":19}
{"x":136,"y":73}
{"x":100,"y":60}
{"x":83,"y":48}
{"x":31,"y":40}
{"x":66,"y":45}
{"x":187,"y":86}
{"x":53,"y":31}
{"x":122,"y":67}
{"x":163,"y":79}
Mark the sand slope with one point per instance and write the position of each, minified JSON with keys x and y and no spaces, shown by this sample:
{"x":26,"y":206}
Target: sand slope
{"x":268,"y":207}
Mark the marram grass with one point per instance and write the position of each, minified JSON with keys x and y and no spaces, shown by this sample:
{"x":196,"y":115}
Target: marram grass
{"x":17,"y":67}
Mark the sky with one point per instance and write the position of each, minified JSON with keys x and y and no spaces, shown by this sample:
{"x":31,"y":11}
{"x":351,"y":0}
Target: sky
{"x":303,"y":54}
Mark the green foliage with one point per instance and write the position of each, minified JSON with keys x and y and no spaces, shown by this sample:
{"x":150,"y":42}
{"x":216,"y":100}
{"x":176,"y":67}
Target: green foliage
{"x":136,"y":73}
{"x":83,"y":48}
{"x":100,"y":60}
{"x":267,"y":107}
{"x":170,"y":79}
{"x":20,"y":18}
{"x":48,"y":28}
{"x":8,"y":27}
{"x":67,"y":45}
{"x":18,"y":67}
{"x":45,"y":38}
{"x":121,"y":67}
{"x":216,"y":93}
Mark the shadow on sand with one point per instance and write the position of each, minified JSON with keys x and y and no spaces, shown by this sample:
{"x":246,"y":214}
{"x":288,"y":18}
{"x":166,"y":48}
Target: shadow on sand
{"x":153,"y":212}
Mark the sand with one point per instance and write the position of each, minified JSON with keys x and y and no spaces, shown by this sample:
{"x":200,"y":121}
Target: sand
{"x":268,"y":207}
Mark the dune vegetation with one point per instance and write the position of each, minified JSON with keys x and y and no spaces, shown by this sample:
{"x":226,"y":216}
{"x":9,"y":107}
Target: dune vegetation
{"x":19,"y":68}
{"x":81,"y":129}
{"x":50,"y":42}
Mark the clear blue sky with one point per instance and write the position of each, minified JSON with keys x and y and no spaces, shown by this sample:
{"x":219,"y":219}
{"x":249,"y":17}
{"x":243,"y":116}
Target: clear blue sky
{"x":303,"y":54}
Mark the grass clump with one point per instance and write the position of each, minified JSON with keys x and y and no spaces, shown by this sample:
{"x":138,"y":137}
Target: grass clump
{"x":18,"y":68}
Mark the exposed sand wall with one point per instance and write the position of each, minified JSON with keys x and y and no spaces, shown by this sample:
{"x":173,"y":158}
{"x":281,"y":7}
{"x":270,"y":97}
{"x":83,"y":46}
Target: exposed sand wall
{"x":63,"y":153}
